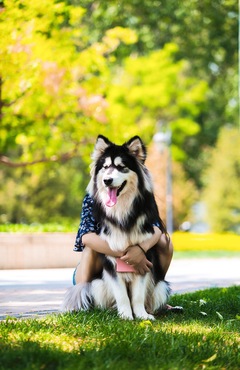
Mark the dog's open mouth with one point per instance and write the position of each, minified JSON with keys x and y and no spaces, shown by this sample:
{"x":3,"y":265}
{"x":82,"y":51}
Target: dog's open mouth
{"x":113,"y":193}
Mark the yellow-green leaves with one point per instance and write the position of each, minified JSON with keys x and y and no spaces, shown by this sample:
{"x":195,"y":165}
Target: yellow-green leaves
{"x":54,"y":80}
{"x":60,"y":89}
{"x":156,"y":87}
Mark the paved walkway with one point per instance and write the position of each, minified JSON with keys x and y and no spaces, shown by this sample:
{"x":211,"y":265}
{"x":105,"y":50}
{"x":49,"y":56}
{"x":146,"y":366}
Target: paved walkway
{"x":29,"y":293}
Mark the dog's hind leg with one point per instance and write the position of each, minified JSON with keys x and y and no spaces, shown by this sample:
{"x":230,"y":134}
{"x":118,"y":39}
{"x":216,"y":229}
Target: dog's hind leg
{"x":103,"y":297}
{"x":138,"y":293}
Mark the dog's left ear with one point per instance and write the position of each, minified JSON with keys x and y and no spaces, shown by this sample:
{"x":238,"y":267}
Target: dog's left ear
{"x":101,"y":145}
{"x":137,"y":148}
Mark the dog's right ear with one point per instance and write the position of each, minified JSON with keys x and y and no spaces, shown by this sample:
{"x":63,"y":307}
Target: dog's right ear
{"x":137,"y":148}
{"x":101,"y":145}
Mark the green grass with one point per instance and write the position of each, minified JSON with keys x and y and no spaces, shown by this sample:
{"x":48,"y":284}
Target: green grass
{"x":205,"y":336}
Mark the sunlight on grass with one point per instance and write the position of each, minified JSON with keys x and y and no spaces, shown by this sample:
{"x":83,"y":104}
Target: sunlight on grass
{"x":61,"y":341}
{"x":100,"y":340}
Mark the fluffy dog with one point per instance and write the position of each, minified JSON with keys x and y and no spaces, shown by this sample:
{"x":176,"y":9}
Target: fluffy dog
{"x":122,"y":190}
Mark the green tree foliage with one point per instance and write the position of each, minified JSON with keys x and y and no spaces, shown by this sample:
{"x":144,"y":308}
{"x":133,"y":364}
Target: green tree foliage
{"x":52,"y":193}
{"x":57,"y":89}
{"x":68,"y":73}
{"x":56,"y":67}
{"x":52,"y":85}
{"x":206,"y":33}
{"x":222,"y":178}
{"x":154,"y":90}
{"x":52,"y":81}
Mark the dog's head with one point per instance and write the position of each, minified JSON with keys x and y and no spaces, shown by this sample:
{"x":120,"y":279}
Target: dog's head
{"x":117,"y":169}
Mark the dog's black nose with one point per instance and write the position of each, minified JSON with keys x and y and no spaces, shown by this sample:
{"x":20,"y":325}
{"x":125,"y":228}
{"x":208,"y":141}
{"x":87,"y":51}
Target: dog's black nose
{"x":108,"y":182}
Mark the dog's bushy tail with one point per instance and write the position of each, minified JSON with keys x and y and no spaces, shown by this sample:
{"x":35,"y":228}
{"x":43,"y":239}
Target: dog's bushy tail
{"x":78,"y":298}
{"x":82,"y":297}
{"x":161,"y":294}
{"x":157,"y":296}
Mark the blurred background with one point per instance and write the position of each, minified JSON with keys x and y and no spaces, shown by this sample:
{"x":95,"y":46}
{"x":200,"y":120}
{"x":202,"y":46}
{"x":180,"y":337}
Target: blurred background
{"x":164,"y":70}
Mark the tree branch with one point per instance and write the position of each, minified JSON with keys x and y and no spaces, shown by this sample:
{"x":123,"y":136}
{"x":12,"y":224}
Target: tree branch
{"x":55,"y":158}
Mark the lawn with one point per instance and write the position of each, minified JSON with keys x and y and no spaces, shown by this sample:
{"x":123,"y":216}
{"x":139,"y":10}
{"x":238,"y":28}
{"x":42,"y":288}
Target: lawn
{"x":205,"y":336}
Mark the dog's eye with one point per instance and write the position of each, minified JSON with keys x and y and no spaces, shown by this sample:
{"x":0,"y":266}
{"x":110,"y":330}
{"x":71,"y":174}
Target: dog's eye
{"x":105,"y":167}
{"x":121,"y":167}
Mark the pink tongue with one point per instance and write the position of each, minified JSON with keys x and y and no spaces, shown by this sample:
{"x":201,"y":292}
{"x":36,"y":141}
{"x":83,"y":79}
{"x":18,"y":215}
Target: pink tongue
{"x":112,"y":197}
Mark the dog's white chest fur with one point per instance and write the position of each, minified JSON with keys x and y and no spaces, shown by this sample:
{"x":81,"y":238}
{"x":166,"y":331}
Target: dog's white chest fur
{"x":119,"y":240}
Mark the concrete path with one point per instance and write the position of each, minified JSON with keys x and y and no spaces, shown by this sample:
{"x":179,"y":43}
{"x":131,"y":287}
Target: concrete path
{"x":30,"y":293}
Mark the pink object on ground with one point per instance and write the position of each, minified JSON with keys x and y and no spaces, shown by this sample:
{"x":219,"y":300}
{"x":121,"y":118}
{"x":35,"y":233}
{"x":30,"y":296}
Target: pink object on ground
{"x":123,"y":267}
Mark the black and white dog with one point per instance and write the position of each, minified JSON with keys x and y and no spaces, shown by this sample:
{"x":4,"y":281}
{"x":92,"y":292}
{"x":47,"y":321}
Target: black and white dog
{"x":122,"y":191}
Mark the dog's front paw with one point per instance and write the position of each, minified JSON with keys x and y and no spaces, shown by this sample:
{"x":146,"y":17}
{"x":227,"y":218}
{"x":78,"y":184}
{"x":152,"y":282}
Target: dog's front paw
{"x":145,"y":316}
{"x":141,"y":313}
{"x":125,"y":314}
{"x":126,"y":317}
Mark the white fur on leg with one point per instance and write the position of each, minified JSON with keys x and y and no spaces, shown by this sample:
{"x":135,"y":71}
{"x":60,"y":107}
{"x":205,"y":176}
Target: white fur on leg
{"x":119,"y":290}
{"x":138,"y":290}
